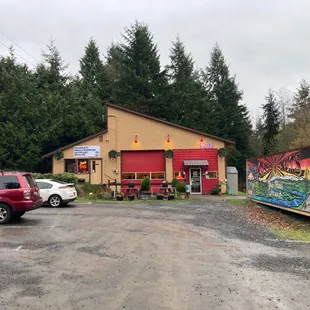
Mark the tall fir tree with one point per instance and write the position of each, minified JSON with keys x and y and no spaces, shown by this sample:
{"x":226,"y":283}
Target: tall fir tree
{"x":228,"y":117}
{"x":271,"y":121}
{"x":185,"y":91}
{"x":140,"y":77}
{"x":92,"y":71}
{"x":300,"y":115}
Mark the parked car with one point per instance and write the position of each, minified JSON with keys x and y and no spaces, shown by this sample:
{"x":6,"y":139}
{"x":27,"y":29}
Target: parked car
{"x":19,"y":193}
{"x":56,"y":193}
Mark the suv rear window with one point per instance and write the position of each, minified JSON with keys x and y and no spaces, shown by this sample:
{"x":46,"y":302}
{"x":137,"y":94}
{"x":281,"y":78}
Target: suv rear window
{"x":9,"y":182}
{"x":29,"y":180}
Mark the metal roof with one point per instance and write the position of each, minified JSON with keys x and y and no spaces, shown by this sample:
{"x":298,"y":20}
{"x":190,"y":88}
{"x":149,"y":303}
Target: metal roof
{"x":232,"y":170}
{"x":196,"y":162}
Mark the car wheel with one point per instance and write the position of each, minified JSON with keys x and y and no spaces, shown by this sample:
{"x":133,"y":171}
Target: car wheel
{"x":5,"y":213}
{"x":55,"y":201}
{"x":18,"y":215}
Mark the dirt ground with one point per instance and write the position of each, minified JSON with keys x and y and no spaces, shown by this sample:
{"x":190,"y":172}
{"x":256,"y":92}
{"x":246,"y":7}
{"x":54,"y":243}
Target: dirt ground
{"x":169,"y":255}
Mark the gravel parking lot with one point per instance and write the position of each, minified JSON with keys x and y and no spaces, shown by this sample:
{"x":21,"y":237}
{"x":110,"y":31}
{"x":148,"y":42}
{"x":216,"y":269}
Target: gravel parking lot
{"x":169,"y":255}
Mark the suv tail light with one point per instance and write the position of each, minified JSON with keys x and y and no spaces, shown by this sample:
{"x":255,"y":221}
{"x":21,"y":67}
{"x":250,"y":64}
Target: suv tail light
{"x":27,"y":193}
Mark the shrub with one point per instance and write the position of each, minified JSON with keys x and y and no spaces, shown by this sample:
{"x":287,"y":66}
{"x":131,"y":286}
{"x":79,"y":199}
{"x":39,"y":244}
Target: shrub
{"x":65,"y":177}
{"x":146,"y":184}
{"x":181,"y":187}
{"x":174,"y":182}
{"x":216,"y":190}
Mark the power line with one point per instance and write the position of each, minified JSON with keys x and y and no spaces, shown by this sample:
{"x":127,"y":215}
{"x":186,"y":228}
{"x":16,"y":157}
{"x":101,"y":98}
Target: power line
{"x":18,"y":46}
{"x":18,"y":55}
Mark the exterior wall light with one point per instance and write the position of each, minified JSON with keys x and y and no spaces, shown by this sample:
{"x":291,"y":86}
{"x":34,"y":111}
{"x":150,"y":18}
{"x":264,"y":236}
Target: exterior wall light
{"x":201,"y":139}
{"x":136,"y":138}
{"x":168,"y":138}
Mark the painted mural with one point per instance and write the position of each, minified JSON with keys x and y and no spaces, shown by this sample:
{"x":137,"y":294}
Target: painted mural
{"x":281,"y":180}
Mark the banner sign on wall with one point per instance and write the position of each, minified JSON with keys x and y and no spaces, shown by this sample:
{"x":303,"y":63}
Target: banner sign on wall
{"x":206,"y":145}
{"x":87,"y":151}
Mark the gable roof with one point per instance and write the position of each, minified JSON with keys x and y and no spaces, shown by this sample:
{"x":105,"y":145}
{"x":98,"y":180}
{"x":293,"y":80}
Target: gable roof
{"x":77,"y":142}
{"x":144,"y":116}
{"x":169,"y":123}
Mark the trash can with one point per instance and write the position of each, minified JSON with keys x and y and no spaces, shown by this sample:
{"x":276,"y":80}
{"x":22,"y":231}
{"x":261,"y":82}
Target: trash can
{"x":232,"y":180}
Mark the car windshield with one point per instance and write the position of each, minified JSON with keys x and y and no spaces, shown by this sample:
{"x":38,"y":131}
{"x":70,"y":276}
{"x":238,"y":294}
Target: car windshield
{"x":57,"y":181}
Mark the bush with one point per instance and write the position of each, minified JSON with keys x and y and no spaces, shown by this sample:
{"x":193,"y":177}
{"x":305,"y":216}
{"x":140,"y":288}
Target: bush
{"x":65,"y":177}
{"x":181,"y":187}
{"x":146,"y":184}
{"x":216,"y":190}
{"x":174,"y":182}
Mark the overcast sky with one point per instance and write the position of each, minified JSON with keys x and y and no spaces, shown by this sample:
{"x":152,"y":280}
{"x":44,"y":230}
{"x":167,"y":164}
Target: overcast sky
{"x":266,"y":42}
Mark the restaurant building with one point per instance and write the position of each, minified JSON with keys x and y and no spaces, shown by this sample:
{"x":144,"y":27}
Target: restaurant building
{"x":136,"y":145}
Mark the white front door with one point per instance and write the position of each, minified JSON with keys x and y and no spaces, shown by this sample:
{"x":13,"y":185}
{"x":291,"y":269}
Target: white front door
{"x":195,"y":180}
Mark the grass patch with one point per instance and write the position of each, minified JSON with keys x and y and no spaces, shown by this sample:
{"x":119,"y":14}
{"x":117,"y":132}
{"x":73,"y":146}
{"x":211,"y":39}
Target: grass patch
{"x":283,"y":224}
{"x":291,"y":234}
{"x":238,"y":201}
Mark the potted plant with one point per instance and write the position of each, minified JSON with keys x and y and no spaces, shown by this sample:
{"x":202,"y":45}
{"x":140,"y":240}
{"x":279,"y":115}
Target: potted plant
{"x":160,"y":196}
{"x":119,"y":196}
{"x":181,"y":189}
{"x":131,"y":197}
{"x":216,"y":190}
{"x":222,"y":152}
{"x":113,"y":154}
{"x":169,"y":154}
{"x":59,"y":155}
{"x":145,"y":188}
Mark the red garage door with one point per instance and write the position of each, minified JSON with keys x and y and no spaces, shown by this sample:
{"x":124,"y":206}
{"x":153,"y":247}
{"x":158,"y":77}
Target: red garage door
{"x":138,"y":164}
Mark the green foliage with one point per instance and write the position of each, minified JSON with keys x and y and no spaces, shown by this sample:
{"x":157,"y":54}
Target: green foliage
{"x":216,"y":190}
{"x":65,"y":177}
{"x":181,"y":187}
{"x":113,"y":154}
{"x":174,"y":182}
{"x":169,"y":154}
{"x":271,"y":126}
{"x":145,"y":184}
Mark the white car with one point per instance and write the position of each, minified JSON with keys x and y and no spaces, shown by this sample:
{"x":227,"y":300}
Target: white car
{"x":56,"y":193}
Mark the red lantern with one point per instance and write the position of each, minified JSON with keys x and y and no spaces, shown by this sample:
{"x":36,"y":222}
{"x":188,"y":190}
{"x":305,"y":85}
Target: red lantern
{"x":201,"y":139}
{"x":168,"y":139}
{"x":136,"y":138}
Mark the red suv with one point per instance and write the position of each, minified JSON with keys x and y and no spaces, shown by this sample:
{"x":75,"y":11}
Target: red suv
{"x":19,"y":193}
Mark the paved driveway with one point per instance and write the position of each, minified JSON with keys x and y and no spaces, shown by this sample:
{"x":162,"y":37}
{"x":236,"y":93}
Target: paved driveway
{"x":178,"y":255}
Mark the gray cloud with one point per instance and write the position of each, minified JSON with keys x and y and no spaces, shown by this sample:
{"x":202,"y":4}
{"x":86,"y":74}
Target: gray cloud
{"x":265,"y":42}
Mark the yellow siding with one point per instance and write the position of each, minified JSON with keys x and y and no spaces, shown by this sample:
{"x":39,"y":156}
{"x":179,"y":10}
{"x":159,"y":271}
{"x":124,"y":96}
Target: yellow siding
{"x":151,"y":135}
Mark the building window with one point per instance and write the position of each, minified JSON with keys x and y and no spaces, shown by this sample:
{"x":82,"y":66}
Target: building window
{"x":211,"y":175}
{"x":142,"y":175}
{"x":180,"y":175}
{"x":128,"y":176}
{"x":83,"y":166}
{"x":158,"y":175}
{"x":93,"y":163}
{"x":70,"y":165}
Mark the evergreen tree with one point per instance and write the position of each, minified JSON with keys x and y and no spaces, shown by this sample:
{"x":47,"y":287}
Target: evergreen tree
{"x":140,"y":77}
{"x":271,"y":120}
{"x":300,"y":115}
{"x":228,"y":117}
{"x":185,"y":92}
{"x":92,"y":70}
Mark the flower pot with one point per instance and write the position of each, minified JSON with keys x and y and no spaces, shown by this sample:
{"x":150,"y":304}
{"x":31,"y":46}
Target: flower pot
{"x":119,"y":197}
{"x":131,"y":197}
{"x":171,"y":197}
{"x":160,"y":197}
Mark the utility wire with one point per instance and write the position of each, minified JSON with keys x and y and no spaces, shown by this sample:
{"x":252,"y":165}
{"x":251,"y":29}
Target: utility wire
{"x":18,"y":55}
{"x":19,"y":46}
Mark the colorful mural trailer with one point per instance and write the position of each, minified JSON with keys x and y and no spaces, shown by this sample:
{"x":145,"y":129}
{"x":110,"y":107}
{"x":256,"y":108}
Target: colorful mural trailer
{"x":281,"y":180}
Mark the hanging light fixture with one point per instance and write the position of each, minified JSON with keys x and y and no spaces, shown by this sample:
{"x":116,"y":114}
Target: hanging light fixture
{"x":168,"y":138}
{"x":136,"y":138}
{"x":201,"y":139}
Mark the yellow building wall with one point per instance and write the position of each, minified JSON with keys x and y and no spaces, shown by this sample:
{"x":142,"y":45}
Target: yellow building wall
{"x":123,"y":127}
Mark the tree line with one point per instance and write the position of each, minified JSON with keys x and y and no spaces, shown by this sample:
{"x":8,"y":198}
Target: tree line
{"x":45,"y":108}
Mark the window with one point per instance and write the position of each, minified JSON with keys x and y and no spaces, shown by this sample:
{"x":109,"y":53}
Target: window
{"x":142,"y":175}
{"x":128,"y":176}
{"x":83,"y":166}
{"x":211,"y":175}
{"x":180,"y":175}
{"x":9,"y":182}
{"x":70,"y":165}
{"x":158,"y":175}
{"x":44,"y":185}
{"x":93,"y":165}
{"x":29,"y":180}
